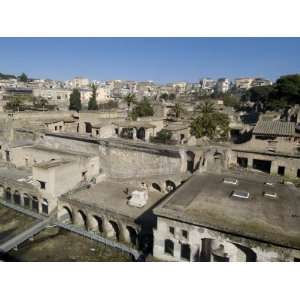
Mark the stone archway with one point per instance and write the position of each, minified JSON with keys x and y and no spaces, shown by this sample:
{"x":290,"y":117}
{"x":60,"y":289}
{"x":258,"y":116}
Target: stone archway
{"x":96,"y":223}
{"x":132,"y":235}
{"x":141,"y":133}
{"x":17,"y":197}
{"x":170,"y":186}
{"x":65,"y":215}
{"x":45,"y":206}
{"x":81,"y":219}
{"x":156,"y":187}
{"x":190,"y":161}
{"x":8,"y":194}
{"x":116,"y":229}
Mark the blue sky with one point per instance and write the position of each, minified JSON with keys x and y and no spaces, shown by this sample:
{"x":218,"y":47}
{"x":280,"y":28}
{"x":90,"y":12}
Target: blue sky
{"x":159,"y":59}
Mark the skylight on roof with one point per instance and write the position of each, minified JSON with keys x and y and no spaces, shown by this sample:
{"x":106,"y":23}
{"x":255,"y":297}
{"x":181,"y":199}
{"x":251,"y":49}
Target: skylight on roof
{"x":241,"y":194}
{"x":233,"y":181}
{"x":270,"y":194}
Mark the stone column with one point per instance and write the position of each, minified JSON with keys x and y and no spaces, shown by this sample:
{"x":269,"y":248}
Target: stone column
{"x":108,"y":230}
{"x":125,"y":236}
{"x":177,"y":250}
{"x":274,"y":167}
{"x":147,"y":135}
{"x":250,"y":163}
{"x":195,"y":252}
{"x":92,"y":224}
{"x":134,"y":133}
{"x":21,"y":200}
{"x":77,"y":219}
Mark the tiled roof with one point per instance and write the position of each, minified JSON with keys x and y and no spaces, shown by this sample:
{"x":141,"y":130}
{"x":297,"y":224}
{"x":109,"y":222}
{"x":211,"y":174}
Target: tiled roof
{"x":275,"y":128}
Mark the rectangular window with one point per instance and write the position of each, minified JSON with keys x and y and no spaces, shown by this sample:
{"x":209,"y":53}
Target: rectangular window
{"x":42,"y":185}
{"x":35,"y":205}
{"x":185,"y":234}
{"x":172,"y":230}
{"x":298,"y":173}
{"x":26,"y":202}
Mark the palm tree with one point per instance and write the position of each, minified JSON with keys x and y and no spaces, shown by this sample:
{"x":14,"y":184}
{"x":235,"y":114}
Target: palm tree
{"x":206,"y":108}
{"x":130,"y":99}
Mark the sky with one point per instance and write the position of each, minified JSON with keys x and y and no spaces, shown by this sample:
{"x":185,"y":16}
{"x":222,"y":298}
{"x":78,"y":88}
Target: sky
{"x":159,"y":59}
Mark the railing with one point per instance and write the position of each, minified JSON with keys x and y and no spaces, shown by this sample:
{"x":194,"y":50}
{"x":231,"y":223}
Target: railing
{"x":96,"y":237}
{"x":25,"y":235}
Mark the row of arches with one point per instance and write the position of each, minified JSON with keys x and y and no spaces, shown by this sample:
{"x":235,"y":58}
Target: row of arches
{"x":32,"y":202}
{"x":107,"y":227}
{"x":167,"y":186}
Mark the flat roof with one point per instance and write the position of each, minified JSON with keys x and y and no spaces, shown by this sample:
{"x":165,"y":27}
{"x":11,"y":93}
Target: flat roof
{"x":52,"y":163}
{"x":110,"y":195}
{"x":129,"y":124}
{"x":207,"y":201}
{"x":14,"y":173}
{"x":60,"y":151}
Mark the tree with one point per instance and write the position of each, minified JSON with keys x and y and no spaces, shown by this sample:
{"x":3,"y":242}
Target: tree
{"x":288,"y":88}
{"x":23,"y":77}
{"x":14,"y":103}
{"x":172,"y":96}
{"x":130,"y":99}
{"x":164,"y":135}
{"x":206,"y":107}
{"x":210,"y":123}
{"x":75,"y":101}
{"x":177,"y":110}
{"x":230,"y":100}
{"x":164,"y":96}
{"x":92,"y":105}
{"x":142,"y":109}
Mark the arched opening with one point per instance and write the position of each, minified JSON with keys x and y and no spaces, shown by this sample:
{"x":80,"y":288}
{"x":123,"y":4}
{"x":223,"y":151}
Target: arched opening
{"x":250,"y":254}
{"x":116,"y":229}
{"x":17,"y":198}
{"x":190,"y":161}
{"x":65,"y":215}
{"x":170,"y":185}
{"x":99,"y":222}
{"x":35,"y":204}
{"x":8,"y":194}
{"x":156,"y":187}
{"x":169,"y":247}
{"x":81,"y":219}
{"x":26,"y":200}
{"x":219,"y":254}
{"x":141,"y":133}
{"x":45,"y":206}
{"x":185,"y":252}
{"x":132,"y":235}
{"x":88,"y":127}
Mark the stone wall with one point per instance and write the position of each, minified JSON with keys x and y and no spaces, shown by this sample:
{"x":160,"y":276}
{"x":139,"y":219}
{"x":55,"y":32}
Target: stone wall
{"x":210,"y":245}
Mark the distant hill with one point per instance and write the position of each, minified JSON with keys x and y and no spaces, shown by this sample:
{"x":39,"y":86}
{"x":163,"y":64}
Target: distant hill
{"x":7,"y":76}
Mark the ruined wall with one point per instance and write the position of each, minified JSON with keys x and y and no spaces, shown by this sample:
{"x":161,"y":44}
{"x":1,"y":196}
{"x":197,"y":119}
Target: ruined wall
{"x":291,"y":165}
{"x":237,"y":249}
{"x":122,"y":162}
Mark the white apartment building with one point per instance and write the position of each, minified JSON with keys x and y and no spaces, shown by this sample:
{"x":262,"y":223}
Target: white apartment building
{"x":223,"y":85}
